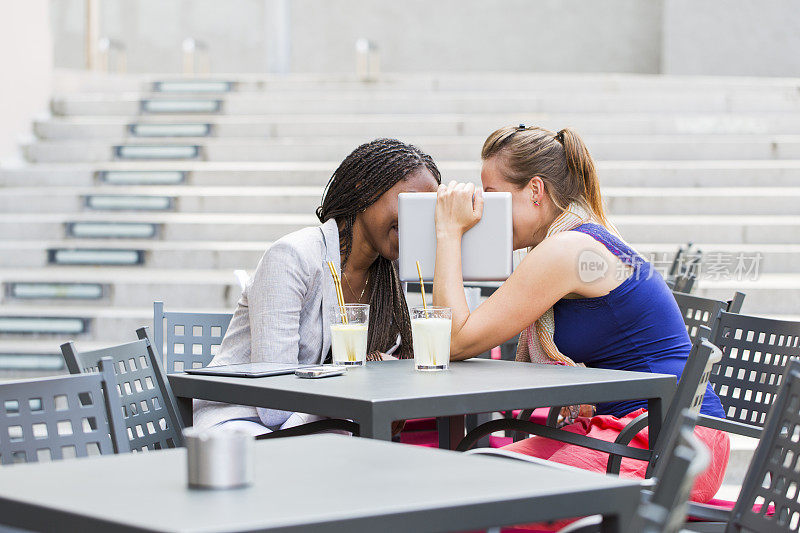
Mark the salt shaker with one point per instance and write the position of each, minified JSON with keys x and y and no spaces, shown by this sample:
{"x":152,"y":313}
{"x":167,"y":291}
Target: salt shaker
{"x":218,"y":459}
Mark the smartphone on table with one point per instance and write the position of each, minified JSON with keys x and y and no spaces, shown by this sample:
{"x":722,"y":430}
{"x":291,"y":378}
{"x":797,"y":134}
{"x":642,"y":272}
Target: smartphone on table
{"x":315,"y":372}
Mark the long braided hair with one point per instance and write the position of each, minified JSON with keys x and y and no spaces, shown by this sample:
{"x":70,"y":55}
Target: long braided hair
{"x":367,"y":173}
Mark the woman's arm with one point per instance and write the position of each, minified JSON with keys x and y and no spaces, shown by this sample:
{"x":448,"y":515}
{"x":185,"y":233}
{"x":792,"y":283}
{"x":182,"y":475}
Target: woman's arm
{"x":548,"y":273}
{"x":275,"y":299}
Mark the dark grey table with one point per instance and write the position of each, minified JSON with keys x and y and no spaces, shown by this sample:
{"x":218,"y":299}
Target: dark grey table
{"x":379,"y":393}
{"x":327,"y":483}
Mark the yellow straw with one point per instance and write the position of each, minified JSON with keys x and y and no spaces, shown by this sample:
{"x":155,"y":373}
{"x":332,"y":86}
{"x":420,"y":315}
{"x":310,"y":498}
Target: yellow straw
{"x":425,"y":308}
{"x":339,"y":296}
{"x":422,"y":289}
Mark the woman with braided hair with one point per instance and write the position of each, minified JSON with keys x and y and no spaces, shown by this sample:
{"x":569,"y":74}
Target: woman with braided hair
{"x":282,"y":315}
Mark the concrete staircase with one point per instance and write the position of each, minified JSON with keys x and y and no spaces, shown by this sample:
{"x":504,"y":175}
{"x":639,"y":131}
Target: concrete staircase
{"x":142,"y":188}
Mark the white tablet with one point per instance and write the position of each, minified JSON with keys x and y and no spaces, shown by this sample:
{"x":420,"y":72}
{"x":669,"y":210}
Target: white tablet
{"x":486,"y":249}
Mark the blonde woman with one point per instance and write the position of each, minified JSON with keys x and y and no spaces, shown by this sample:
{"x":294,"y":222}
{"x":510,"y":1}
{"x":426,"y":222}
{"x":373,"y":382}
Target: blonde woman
{"x":582,"y":295}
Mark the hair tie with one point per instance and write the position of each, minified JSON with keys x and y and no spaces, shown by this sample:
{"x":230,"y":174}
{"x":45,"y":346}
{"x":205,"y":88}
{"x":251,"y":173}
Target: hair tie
{"x":560,"y":136}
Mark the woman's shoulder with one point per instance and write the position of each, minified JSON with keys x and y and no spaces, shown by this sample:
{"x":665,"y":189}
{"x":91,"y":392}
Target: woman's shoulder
{"x":303,"y":241}
{"x":305,"y":244}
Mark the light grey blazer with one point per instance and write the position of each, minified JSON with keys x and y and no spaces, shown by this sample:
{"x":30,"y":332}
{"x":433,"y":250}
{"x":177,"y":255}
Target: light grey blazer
{"x":281,"y":316}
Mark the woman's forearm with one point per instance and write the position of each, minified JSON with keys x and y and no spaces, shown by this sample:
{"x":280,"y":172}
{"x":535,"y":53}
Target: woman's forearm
{"x":448,"y":286}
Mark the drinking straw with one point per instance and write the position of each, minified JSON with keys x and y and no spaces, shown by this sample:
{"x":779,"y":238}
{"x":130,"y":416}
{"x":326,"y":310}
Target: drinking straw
{"x":339,"y":296}
{"x":431,"y":350}
{"x":422,"y":289}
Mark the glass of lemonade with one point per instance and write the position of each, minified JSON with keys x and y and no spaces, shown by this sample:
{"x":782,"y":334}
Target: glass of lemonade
{"x":431,"y":332}
{"x":349,"y":338}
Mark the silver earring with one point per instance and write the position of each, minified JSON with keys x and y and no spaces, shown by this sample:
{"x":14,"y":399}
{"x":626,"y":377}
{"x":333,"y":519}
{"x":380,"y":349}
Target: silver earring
{"x":536,"y":203}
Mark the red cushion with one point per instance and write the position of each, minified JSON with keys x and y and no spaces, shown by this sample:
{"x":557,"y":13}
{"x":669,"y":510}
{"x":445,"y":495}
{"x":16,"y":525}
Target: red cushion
{"x":499,"y":442}
{"x":420,"y":424}
{"x":728,"y":505}
{"x":539,"y":415}
{"x":429,"y":439}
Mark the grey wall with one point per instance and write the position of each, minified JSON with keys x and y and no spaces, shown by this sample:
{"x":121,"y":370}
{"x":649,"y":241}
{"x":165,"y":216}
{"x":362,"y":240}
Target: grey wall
{"x":27,"y":64}
{"x":153,"y":30}
{"x":463,"y":35}
{"x":413,"y":35}
{"x":741,"y":37}
{"x":736,"y":37}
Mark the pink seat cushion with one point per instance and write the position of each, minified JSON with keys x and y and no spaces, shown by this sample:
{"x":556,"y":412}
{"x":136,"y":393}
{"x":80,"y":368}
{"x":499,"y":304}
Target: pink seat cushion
{"x":539,"y":415}
{"x":420,"y":424}
{"x":428,"y":439}
{"x":728,"y":506}
{"x":499,"y":442}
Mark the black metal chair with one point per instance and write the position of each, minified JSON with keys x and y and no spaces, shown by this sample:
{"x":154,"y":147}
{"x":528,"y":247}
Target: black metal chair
{"x":148,"y":405}
{"x":698,"y":311}
{"x":685,"y":268}
{"x":772,"y":481}
{"x":684,"y":282}
{"x":755,"y":353}
{"x":689,"y":395}
{"x":664,"y":509}
{"x":66,"y":416}
{"x":192,"y":339}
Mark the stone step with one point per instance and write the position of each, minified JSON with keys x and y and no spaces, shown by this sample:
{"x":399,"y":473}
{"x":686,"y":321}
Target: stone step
{"x":176,"y":199}
{"x":742,"y":449}
{"x":120,"y":287}
{"x":93,"y":82}
{"x":505,"y":101}
{"x":777,"y":294}
{"x":771,"y":258}
{"x":746,"y":229}
{"x":203,"y":254}
{"x":621,"y":173}
{"x":108,"y":325}
{"x":115,"y":323}
{"x":21,"y":359}
{"x":766,"y":293}
{"x":299,"y":199}
{"x":154,"y":126}
{"x":162,"y":226}
{"x":774,"y":293}
{"x":664,"y":147}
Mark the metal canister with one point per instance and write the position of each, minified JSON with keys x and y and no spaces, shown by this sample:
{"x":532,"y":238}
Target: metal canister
{"x":218,"y":459}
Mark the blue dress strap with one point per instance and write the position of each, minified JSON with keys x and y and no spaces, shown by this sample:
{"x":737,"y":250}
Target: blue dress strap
{"x":614,"y":244}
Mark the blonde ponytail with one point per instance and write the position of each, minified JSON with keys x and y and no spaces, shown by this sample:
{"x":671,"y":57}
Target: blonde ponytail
{"x":560,"y":159}
{"x":581,"y":165}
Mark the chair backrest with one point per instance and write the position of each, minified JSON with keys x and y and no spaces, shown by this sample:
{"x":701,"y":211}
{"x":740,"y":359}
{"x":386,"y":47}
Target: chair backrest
{"x":61,"y":417}
{"x":773,"y":478}
{"x":192,"y":340}
{"x":698,"y":311}
{"x":684,"y":282}
{"x":148,"y":404}
{"x":689,"y":396}
{"x":685,"y":268}
{"x":665,"y":510}
{"x":755,"y":353}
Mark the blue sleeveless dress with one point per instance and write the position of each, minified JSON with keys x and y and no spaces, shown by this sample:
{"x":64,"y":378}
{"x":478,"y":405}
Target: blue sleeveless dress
{"x":637,"y":326}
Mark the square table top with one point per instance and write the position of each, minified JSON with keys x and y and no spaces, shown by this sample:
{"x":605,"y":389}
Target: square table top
{"x":472,"y":386}
{"x":325,"y":482}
